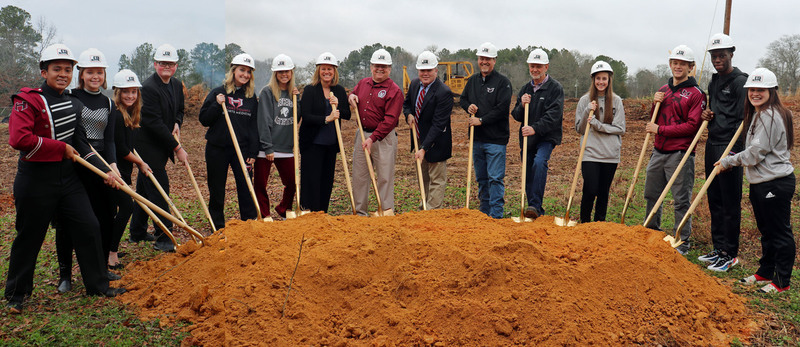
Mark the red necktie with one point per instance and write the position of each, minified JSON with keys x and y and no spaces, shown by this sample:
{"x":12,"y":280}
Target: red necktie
{"x":418,"y":108}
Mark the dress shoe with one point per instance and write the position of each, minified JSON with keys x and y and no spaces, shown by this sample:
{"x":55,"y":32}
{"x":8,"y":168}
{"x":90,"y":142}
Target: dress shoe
{"x":112,"y":292}
{"x":122,"y":254}
{"x":147,"y":237}
{"x":64,"y":285}
{"x":116,"y":266}
{"x":113,"y":277}
{"x":530,"y":212}
{"x":14,"y":307}
{"x":164,"y":245}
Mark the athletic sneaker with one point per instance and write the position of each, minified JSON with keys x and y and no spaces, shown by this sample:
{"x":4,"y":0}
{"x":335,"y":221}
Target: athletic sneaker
{"x":683,"y":249}
{"x":771,"y":288}
{"x":710,"y":257}
{"x":754,"y":279}
{"x":723,"y":263}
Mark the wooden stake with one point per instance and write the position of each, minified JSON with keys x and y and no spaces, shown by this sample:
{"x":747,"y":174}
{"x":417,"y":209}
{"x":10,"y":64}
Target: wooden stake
{"x":241,"y":159}
{"x":638,"y":165}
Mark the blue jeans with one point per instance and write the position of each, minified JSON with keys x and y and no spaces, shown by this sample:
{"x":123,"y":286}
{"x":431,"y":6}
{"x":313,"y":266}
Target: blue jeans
{"x":490,"y":170}
{"x":536,"y":175}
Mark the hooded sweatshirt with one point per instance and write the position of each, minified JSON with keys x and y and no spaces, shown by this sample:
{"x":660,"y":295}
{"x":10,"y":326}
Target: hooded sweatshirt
{"x":605,"y":139}
{"x":275,"y":130}
{"x":679,"y":116}
{"x":766,"y":154}
{"x":726,"y":98}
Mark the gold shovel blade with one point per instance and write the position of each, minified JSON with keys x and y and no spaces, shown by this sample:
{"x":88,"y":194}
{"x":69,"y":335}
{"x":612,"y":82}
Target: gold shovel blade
{"x":560,"y":222}
{"x":267,"y":219}
{"x":672,"y":242}
{"x":386,"y":213}
{"x":521,"y":220}
{"x":293,"y":214}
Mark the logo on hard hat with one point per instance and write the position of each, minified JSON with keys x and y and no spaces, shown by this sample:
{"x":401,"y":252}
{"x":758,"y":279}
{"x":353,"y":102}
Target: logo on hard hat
{"x":95,"y":58}
{"x":600,"y":66}
{"x":63,"y":51}
{"x":383,"y":57}
{"x":166,"y":54}
{"x":425,"y":61}
{"x":756,"y":78}
{"x":281,"y":63}
{"x":485,"y":50}
{"x":716,"y":42}
{"x":537,"y":57}
{"x":327,"y":58}
{"x":247,"y":60}
{"x":130,"y":79}
{"x":680,"y":53}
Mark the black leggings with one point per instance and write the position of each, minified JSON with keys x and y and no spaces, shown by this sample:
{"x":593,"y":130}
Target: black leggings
{"x":772,"y":207}
{"x":124,"y":204}
{"x":597,"y":179}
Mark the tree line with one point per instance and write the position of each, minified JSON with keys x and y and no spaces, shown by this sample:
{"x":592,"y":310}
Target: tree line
{"x":206,"y":63}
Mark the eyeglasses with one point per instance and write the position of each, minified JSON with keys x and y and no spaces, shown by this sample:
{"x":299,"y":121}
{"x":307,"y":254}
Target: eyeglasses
{"x":167,"y":64}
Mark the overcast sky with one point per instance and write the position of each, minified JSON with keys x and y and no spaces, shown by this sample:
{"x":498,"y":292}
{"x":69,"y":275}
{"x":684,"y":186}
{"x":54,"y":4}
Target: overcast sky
{"x":638,"y":32}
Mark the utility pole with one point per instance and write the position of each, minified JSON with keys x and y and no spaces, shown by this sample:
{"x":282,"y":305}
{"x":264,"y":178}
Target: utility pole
{"x":727,"y":27}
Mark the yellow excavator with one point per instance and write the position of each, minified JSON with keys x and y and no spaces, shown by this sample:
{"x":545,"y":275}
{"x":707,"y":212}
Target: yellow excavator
{"x":453,"y":73}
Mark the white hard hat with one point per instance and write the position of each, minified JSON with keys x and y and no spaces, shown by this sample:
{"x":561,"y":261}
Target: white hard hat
{"x":166,"y":52}
{"x":538,"y":56}
{"x":682,"y":52}
{"x":282,"y":63}
{"x":126,"y":79}
{"x":244,"y":59}
{"x":57,"y":51}
{"x":92,"y":57}
{"x":720,"y":41}
{"x":427,"y":60}
{"x":381,"y":56}
{"x":761,"y":78}
{"x":327,"y":58}
{"x":487,"y":49}
{"x":601,"y":66}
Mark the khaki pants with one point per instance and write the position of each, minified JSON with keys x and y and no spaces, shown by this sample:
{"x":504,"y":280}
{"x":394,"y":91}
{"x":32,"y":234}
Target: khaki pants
{"x":434,"y":180}
{"x":383,"y":155}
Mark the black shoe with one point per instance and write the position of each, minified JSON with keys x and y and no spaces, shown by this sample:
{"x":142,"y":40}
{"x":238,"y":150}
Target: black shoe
{"x":122,"y":254}
{"x":147,"y":237}
{"x":112,"y":292}
{"x":116,"y":266}
{"x":164,"y":245}
{"x":64,"y":285}
{"x":14,"y":307}
{"x":530,"y":212}
{"x":113,"y":277}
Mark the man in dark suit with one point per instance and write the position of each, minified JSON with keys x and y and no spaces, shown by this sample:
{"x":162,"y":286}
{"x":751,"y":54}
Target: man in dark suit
{"x":162,"y":116}
{"x":428,"y":105}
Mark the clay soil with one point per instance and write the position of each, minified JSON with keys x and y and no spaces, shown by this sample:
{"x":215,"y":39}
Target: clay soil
{"x":447,"y":277}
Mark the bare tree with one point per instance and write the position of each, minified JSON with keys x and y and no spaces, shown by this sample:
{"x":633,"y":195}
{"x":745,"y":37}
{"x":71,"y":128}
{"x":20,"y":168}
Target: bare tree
{"x":47,"y":31}
{"x":783,"y":58}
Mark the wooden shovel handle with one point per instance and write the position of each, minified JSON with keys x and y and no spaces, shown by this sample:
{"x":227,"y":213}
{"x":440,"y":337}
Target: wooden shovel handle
{"x":419,"y":168}
{"x":578,"y":167}
{"x":369,"y":163}
{"x":241,"y":160}
{"x":344,"y":161}
{"x":469,"y":162}
{"x":524,"y":166}
{"x":638,"y":165}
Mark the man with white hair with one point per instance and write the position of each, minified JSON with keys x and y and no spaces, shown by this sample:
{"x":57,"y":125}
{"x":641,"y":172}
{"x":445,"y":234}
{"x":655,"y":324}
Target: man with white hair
{"x":427,"y":107}
{"x":546,"y":99}
{"x":379,"y":102}
{"x":162,"y":116}
{"x":487,"y":96}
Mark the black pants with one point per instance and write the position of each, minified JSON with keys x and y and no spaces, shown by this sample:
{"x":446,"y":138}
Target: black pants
{"x":724,"y":202}
{"x":124,"y":207}
{"x":772,"y":207}
{"x":218,"y":160}
{"x":597,"y":178}
{"x":102,"y":204}
{"x":316,"y":176}
{"x":42,"y":192}
{"x":157,"y":160}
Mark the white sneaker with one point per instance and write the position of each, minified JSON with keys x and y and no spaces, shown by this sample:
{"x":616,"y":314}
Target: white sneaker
{"x":754,"y":279}
{"x":723,"y":263}
{"x":710,"y":257}
{"x":771,"y":288}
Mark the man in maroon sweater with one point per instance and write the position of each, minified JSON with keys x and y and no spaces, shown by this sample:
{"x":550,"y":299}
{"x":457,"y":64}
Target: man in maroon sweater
{"x":682,"y":103}
{"x":379,"y":102}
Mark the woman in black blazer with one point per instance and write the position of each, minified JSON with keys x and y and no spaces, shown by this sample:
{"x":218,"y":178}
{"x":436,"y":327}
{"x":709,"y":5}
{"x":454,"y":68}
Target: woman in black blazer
{"x":318,"y":142}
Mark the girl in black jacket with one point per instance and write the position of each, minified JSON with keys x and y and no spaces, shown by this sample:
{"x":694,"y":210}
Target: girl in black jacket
{"x":318,"y":142}
{"x":126,"y":114}
{"x":238,"y":95}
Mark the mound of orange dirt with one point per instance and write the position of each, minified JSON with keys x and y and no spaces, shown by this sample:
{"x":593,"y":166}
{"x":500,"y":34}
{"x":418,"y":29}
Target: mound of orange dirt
{"x":446,"y":277}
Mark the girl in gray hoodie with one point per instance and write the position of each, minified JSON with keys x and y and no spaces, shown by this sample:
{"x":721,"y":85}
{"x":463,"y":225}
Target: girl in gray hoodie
{"x":602,"y":153}
{"x":766,"y":163}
